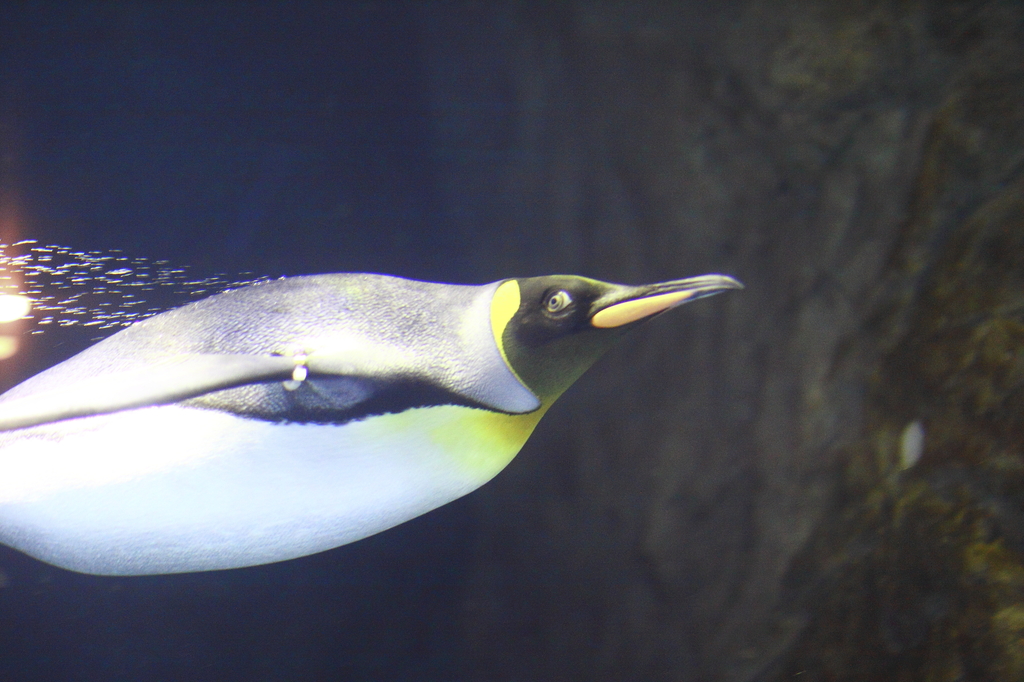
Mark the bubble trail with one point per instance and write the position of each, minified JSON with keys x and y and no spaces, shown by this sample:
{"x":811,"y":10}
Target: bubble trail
{"x":99,"y":290}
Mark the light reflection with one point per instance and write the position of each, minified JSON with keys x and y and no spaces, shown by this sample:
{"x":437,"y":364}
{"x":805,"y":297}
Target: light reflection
{"x":14,"y":307}
{"x":8,"y":346}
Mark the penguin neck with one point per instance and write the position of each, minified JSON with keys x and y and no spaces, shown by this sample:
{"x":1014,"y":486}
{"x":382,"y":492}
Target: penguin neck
{"x":484,"y":441}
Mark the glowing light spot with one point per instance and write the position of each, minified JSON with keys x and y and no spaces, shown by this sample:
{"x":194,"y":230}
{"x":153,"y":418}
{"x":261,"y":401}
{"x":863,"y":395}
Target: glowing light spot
{"x":14,"y":307}
{"x":911,"y":444}
{"x":8,"y":346}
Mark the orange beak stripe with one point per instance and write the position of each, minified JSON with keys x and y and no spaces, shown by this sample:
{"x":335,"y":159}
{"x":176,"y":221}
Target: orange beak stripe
{"x":638,"y":309}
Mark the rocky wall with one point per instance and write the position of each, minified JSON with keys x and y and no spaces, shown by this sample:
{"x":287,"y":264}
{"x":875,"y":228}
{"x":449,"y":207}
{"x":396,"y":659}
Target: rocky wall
{"x":666,"y":522}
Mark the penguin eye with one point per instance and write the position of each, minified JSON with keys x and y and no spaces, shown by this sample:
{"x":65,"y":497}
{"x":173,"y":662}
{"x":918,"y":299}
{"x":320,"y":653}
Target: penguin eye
{"x":557,"y":301}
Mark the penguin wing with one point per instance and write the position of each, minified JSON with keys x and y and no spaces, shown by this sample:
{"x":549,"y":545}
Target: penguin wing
{"x":340,"y":379}
{"x":183,"y":377}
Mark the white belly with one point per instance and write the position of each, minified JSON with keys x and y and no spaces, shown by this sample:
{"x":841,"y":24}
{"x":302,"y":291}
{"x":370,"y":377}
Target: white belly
{"x":172,"y":489}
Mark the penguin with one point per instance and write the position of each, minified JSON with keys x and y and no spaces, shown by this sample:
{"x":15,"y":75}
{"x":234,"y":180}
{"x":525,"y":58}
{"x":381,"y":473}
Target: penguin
{"x":293,"y":416}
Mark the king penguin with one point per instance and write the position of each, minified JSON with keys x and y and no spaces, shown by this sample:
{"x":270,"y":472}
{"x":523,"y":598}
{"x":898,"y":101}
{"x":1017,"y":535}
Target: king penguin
{"x":293,"y":416}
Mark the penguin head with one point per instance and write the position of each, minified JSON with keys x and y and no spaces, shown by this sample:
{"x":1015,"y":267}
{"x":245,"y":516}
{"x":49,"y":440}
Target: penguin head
{"x":552,"y":329}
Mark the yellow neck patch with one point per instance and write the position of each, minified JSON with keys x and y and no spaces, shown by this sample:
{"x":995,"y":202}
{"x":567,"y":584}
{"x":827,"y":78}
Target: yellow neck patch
{"x":483,"y":442}
{"x":504,"y":306}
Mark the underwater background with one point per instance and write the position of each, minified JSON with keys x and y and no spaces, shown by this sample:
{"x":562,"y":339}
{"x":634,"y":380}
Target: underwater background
{"x":818,"y":478}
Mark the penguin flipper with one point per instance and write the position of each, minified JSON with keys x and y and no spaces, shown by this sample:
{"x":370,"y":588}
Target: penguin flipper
{"x":183,"y":377}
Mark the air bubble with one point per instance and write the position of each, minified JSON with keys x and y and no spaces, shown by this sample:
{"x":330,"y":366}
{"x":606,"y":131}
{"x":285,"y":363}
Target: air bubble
{"x":98,"y":290}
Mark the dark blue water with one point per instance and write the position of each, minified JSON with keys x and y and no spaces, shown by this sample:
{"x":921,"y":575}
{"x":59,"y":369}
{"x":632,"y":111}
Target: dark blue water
{"x":273,"y":138}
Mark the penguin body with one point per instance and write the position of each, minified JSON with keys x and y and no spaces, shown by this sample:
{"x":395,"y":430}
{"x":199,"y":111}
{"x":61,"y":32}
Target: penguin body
{"x":293,"y":416}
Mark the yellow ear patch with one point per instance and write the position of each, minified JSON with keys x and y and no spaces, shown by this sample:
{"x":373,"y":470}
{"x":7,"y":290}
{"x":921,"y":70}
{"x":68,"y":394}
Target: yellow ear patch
{"x":637,"y":309}
{"x":504,"y":306}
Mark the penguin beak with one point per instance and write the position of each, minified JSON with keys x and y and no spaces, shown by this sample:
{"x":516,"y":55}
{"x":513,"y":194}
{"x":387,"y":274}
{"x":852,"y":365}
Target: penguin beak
{"x":626,"y":305}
